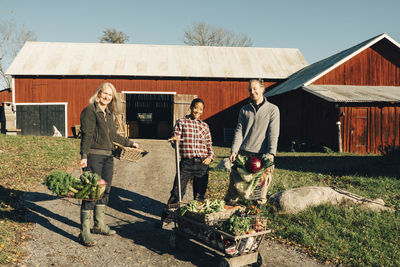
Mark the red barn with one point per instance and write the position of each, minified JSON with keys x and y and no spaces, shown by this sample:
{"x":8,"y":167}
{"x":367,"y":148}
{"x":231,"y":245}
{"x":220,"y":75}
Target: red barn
{"x":52,"y":83}
{"x":358,"y":87}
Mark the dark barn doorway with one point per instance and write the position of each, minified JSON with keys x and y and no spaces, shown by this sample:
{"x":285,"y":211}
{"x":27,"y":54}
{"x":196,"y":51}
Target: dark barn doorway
{"x":149,"y":115}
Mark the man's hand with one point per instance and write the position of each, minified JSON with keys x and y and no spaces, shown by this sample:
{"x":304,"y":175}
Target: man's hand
{"x":271,"y":158}
{"x":232,"y":157}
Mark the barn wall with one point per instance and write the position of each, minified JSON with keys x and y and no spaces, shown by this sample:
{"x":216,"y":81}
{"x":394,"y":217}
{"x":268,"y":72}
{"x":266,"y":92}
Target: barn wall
{"x":221,"y":96}
{"x":377,"y":124}
{"x":378,"y":65}
{"x":306,"y":119}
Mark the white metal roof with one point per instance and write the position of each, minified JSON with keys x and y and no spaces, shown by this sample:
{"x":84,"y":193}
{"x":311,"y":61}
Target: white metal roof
{"x":52,"y":58}
{"x":351,"y":93}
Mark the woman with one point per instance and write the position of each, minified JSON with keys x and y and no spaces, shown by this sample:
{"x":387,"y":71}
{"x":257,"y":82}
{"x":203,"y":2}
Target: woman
{"x":99,"y":131}
{"x":196,"y":153}
{"x":256,"y":135}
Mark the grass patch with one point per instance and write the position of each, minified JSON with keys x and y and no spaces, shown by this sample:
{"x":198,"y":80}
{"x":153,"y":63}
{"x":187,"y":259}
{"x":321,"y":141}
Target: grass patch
{"x":24,"y":162}
{"x":343,"y":235}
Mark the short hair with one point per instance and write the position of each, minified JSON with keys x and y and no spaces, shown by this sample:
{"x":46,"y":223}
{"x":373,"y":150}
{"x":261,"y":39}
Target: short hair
{"x":115,"y":104}
{"x":195,"y":101}
{"x":260,"y":82}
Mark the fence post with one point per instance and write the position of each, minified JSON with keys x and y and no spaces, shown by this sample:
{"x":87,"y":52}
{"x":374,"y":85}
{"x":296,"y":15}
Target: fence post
{"x":339,"y":136}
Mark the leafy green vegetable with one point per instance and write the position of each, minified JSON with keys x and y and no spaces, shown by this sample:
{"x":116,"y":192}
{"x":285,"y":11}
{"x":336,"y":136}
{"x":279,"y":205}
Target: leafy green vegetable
{"x":88,"y":186}
{"x":206,"y":207}
{"x":237,"y":225}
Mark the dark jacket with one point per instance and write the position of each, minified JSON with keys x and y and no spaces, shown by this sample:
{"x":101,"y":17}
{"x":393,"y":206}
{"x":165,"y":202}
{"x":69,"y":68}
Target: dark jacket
{"x":99,"y":132}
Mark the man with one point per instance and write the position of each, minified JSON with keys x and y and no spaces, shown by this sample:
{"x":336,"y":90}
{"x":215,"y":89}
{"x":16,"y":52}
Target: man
{"x":256,"y":135}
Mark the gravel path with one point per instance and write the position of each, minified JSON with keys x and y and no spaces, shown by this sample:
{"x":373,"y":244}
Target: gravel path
{"x":137,"y":197}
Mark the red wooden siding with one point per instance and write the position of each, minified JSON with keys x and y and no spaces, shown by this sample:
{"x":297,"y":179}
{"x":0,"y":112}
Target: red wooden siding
{"x":370,"y":129}
{"x":219,"y":95}
{"x":378,"y":65}
{"x":306,"y":118}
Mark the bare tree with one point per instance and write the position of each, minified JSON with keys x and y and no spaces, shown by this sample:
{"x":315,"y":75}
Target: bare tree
{"x":12,"y":38}
{"x":202,"y":34}
{"x":113,"y":36}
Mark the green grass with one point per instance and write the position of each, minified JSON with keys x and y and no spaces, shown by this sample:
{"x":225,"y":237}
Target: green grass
{"x":344,"y":235}
{"x":24,"y":162}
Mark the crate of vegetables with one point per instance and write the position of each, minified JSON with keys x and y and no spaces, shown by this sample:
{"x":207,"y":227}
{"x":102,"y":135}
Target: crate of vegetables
{"x":89,"y":186}
{"x":209,"y":211}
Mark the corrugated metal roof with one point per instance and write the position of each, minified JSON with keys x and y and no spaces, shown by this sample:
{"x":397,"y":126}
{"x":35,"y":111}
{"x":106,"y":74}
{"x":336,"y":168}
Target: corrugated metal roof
{"x":51,"y":58}
{"x":350,"y":93}
{"x":314,"y":71}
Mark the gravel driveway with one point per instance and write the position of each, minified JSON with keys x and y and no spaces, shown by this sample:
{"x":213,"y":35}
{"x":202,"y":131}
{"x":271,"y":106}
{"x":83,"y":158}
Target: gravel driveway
{"x":137,"y":197}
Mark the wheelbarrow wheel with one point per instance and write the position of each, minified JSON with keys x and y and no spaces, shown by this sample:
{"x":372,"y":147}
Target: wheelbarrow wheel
{"x":259,"y":261}
{"x":223,"y":263}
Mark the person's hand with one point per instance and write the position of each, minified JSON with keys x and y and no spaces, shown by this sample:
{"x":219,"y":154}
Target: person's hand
{"x":271,"y":158}
{"x":232,"y":157}
{"x":207,"y":161}
{"x":83,"y":163}
{"x":173,"y":139}
{"x":135,"y":145}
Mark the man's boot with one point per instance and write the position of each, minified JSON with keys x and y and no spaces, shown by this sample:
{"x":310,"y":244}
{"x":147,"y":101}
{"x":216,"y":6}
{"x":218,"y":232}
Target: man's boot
{"x":99,"y":226}
{"x":85,"y":237}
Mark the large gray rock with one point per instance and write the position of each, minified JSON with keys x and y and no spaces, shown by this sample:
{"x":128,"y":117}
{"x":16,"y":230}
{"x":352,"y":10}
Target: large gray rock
{"x":298,"y":199}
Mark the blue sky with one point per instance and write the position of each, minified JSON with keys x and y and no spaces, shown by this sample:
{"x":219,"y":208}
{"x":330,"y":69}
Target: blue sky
{"x":319,"y":28}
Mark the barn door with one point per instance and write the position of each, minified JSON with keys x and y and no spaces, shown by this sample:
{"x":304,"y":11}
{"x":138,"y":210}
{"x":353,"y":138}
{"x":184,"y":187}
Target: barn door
{"x":359,"y":130}
{"x":121,"y":119}
{"x":181,"y":106}
{"x":39,"y":119}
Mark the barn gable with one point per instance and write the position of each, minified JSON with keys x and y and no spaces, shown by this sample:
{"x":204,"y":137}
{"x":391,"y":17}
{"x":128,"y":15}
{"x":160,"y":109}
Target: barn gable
{"x":315,"y":73}
{"x":349,"y":102}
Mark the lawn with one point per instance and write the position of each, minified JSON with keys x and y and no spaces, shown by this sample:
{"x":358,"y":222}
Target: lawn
{"x":343,"y":235}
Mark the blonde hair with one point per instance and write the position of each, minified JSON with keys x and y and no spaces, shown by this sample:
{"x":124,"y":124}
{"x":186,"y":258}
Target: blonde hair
{"x":115,"y":104}
{"x":260,"y":82}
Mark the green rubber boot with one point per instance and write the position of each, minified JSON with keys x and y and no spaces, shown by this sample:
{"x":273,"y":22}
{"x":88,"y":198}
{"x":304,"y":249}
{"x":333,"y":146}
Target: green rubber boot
{"x":85,"y":237}
{"x":99,"y":226}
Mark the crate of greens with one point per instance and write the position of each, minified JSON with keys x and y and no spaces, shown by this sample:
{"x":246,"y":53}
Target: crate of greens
{"x":89,"y":186}
{"x":209,"y":211}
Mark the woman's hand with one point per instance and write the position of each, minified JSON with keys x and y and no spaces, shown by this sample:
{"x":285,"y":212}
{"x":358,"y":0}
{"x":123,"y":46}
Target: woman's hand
{"x":83,"y":163}
{"x":232,"y":157}
{"x":173,"y":139}
{"x":135,"y":145}
{"x":207,"y":161}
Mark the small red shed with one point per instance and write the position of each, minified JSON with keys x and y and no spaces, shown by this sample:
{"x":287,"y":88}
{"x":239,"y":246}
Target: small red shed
{"x":349,"y":102}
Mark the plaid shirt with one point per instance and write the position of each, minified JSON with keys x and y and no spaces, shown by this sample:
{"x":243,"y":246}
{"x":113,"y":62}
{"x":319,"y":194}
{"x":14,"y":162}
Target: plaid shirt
{"x":196,"y":138}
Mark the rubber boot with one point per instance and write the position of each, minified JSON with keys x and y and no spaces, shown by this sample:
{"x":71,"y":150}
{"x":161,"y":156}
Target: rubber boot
{"x":85,"y":237}
{"x":99,"y":226}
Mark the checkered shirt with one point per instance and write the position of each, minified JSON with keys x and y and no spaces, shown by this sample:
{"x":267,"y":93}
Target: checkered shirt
{"x":196,"y":138}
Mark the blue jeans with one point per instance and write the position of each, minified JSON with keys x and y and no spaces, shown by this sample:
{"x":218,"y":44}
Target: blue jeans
{"x":103,"y":166}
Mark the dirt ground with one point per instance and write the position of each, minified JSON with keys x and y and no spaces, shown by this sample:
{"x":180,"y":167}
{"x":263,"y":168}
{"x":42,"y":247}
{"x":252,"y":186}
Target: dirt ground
{"x":137,"y":197}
